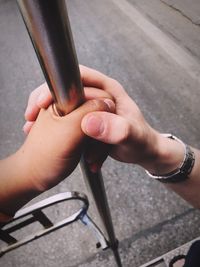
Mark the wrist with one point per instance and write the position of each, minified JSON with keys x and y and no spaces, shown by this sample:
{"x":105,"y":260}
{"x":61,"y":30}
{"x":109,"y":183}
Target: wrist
{"x":29,"y":177}
{"x":16,"y":185}
{"x":167,"y":155}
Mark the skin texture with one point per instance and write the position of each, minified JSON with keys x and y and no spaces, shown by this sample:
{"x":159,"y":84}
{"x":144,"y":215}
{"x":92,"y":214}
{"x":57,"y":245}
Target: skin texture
{"x":124,"y":133}
{"x":126,"y":136}
{"x":114,"y":126}
{"x":50,"y":153}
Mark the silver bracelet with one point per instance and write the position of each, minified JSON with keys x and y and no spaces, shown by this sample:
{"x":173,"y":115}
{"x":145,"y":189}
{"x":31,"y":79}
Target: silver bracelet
{"x":181,"y":173}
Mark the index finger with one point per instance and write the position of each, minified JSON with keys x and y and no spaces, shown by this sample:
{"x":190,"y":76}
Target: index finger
{"x":94,"y":78}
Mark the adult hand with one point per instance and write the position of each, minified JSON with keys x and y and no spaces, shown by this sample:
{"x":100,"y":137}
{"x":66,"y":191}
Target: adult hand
{"x":133,"y":140}
{"x":131,"y":137}
{"x":41,"y":97}
{"x":128,"y":136}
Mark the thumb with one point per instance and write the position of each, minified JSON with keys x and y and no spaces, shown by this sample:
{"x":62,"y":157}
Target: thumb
{"x":106,"y":127}
{"x":71,"y":123}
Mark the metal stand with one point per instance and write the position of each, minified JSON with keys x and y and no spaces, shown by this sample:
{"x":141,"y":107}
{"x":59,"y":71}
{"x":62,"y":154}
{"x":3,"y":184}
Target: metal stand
{"x":49,"y":28}
{"x":35,"y":213}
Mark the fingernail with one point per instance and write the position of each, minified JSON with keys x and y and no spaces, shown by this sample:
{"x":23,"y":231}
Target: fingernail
{"x":110,"y":104}
{"x":25,"y":128}
{"x":94,"y":168}
{"x":94,"y":125}
{"x":27,"y":112}
{"x":41,"y":98}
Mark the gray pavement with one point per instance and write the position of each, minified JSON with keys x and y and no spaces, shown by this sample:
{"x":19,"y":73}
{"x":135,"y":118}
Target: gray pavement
{"x":190,"y":11}
{"x":155,"y":54}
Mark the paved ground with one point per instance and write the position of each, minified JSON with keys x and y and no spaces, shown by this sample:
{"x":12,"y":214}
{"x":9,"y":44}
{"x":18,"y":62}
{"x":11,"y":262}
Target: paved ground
{"x":152,"y":47}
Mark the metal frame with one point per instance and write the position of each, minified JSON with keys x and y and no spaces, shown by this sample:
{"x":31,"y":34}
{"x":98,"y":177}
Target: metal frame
{"x":35,"y":213}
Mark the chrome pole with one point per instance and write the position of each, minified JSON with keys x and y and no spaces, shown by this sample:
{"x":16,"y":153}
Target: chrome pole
{"x":49,"y":29}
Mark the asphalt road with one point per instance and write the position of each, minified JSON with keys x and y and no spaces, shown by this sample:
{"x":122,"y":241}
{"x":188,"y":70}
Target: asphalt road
{"x":152,"y":48}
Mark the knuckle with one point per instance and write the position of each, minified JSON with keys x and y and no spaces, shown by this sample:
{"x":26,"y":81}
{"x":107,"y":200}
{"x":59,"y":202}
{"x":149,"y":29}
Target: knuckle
{"x":97,"y":104}
{"x":31,"y":96}
{"x":118,"y":88}
{"x":115,"y":83}
{"x":34,"y":94}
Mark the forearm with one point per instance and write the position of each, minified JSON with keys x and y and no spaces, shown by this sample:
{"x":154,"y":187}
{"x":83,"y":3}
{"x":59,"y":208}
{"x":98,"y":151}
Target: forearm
{"x":16,"y":187}
{"x":46,"y":157}
{"x":190,"y":189}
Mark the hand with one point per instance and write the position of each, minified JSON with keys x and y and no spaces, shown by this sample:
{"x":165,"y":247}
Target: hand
{"x":128,"y":136}
{"x":133,"y":140}
{"x":41,"y":97}
{"x":54,"y":145}
{"x":124,"y":130}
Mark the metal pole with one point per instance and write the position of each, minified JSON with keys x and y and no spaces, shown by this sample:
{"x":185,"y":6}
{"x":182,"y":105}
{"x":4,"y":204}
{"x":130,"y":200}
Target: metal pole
{"x":49,"y":29}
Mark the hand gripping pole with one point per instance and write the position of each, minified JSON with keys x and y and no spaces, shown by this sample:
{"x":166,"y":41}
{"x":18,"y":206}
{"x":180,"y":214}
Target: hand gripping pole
{"x":49,"y":29}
